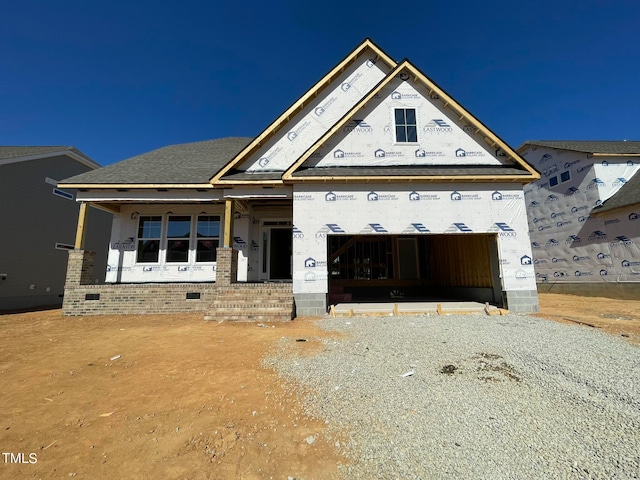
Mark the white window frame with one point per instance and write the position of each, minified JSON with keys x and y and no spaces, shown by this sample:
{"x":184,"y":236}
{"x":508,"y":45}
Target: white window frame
{"x":163,"y":239}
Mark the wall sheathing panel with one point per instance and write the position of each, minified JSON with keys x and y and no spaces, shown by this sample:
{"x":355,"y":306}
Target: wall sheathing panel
{"x":382,"y":209}
{"x":570,"y":243}
{"x":121,"y":263}
{"x":368,"y":140}
{"x":308,"y":125}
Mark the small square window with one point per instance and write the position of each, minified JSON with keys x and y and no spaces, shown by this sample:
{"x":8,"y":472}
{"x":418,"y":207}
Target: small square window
{"x":553,"y":181}
{"x":565,"y":176}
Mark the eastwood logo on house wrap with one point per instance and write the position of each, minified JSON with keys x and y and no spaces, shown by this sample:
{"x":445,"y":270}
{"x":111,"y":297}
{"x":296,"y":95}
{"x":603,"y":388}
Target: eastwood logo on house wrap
{"x":416,"y":197}
{"x":239,"y":243}
{"x":551,"y":198}
{"x":375,"y":197}
{"x":357,"y":126}
{"x":416,"y":228}
{"x":342,"y":154}
{"x":373,"y":228}
{"x":503,"y":229}
{"x":619,"y":181}
{"x":552,"y":242}
{"x":320,"y":109}
{"x":457,"y":196}
{"x":296,"y":232}
{"x":458,"y":227}
{"x":620,"y":241}
{"x":597,"y":235}
{"x":594,"y":183}
{"x":328,"y":228}
{"x":437,"y":125}
{"x":534,"y":204}
{"x":460,"y":152}
{"x":422,"y":153}
{"x":571,"y":191}
{"x":498,"y":196}
{"x":293,"y":134}
{"x":380,"y":153}
{"x":264,"y":161}
{"x":572,"y":239}
{"x":535,"y":245}
{"x":334,"y":197}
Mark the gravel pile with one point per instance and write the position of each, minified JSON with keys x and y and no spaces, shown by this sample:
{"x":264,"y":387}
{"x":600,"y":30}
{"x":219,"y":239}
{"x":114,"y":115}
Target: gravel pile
{"x":466,"y":396}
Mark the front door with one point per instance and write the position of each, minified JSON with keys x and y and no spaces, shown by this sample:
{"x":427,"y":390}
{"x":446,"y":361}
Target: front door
{"x":276,"y":249}
{"x":280,"y":254}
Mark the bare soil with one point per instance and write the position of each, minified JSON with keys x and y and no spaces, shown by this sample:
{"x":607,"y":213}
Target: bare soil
{"x":175,"y":397}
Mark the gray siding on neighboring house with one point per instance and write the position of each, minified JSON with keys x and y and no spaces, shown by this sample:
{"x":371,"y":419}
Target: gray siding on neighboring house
{"x":32,"y":220}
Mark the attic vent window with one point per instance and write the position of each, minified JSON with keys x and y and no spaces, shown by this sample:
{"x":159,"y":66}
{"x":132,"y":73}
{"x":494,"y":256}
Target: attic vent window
{"x":406,"y":128}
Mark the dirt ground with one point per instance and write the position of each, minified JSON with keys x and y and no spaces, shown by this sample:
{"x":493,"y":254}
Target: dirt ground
{"x":175,"y":397}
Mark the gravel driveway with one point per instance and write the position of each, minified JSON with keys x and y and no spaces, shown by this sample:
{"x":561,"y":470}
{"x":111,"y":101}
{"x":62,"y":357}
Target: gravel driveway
{"x":473,"y":397}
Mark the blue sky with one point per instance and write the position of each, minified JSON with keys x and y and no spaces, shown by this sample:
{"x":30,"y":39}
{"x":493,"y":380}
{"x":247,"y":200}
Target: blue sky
{"x":116,"y":79}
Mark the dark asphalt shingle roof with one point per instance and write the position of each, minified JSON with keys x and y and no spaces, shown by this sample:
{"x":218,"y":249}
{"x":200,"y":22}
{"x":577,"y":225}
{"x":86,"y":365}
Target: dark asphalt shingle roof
{"x":7,"y":152}
{"x":187,"y":163}
{"x":489,"y":171}
{"x":588,"y":146}
{"x":629,"y":194}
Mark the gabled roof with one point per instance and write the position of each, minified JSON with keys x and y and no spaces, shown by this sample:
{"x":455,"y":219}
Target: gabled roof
{"x":283,"y":119}
{"x":629,"y":194}
{"x":525,"y":173}
{"x":13,"y":154}
{"x":607,"y":148}
{"x":188,"y":164}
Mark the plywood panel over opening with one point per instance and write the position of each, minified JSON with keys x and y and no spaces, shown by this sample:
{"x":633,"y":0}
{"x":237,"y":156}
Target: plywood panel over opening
{"x":460,"y":260}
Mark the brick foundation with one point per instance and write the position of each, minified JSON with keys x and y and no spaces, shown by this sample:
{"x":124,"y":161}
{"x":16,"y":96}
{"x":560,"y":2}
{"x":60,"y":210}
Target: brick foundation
{"x":224,"y":299}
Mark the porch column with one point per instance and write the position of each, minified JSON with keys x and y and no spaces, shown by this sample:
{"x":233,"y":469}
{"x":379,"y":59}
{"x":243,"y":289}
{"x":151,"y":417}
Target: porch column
{"x":81,"y":231}
{"x":227,"y":257}
{"x":228,"y":223}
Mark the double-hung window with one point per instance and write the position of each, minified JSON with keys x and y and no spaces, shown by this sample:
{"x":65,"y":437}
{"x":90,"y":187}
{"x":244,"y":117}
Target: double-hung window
{"x":406,"y":127}
{"x":208,"y":233}
{"x":178,"y":238}
{"x":175,"y":243}
{"x":149,"y":235}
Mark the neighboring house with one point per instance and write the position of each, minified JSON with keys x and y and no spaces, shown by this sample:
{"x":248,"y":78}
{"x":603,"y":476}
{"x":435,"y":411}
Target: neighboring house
{"x":584,"y":216}
{"x":37,"y":221}
{"x":375,"y":184}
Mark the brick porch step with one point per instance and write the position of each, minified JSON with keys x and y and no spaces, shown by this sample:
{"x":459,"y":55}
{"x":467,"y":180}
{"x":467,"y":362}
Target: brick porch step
{"x":253,"y":302}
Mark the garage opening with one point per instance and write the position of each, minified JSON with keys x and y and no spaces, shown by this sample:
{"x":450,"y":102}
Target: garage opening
{"x":413,"y":268}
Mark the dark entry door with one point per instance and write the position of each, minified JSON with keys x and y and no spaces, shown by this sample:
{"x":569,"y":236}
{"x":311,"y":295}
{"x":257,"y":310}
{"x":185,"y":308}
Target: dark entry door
{"x":280,"y":254}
